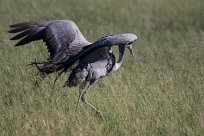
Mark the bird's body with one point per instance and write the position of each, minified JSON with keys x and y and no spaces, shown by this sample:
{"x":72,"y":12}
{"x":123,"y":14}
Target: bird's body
{"x":67,"y":46}
{"x":91,"y":68}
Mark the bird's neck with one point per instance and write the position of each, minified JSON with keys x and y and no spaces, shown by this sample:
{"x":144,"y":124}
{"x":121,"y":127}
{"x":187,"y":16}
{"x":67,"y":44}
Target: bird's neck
{"x":120,"y":58}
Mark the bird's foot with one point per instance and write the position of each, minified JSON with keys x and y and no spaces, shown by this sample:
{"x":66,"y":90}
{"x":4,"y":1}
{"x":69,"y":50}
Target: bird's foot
{"x":100,"y":115}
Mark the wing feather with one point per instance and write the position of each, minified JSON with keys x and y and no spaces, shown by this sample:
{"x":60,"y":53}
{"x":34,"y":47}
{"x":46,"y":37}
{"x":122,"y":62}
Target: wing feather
{"x":58,"y":35}
{"x":108,"y":41}
{"x":34,"y":35}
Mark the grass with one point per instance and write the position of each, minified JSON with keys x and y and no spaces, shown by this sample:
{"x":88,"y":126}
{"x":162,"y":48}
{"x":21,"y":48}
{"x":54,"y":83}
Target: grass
{"x":158,"y":92}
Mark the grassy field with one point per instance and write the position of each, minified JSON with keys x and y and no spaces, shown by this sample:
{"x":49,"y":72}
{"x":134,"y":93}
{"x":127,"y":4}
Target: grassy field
{"x":158,"y":92}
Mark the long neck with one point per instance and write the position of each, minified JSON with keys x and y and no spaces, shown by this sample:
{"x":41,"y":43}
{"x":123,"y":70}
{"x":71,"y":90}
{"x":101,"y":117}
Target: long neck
{"x":120,"y":58}
{"x":86,"y":50}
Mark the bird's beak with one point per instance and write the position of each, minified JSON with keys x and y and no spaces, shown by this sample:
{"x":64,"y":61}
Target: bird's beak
{"x":130,"y":49}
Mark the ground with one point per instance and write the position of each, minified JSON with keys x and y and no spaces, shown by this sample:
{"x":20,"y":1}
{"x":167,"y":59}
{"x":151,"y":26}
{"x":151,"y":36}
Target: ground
{"x":158,"y":92}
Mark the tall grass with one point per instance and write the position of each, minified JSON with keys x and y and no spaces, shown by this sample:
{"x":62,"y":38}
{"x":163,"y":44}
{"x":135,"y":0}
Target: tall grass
{"x":158,"y":92}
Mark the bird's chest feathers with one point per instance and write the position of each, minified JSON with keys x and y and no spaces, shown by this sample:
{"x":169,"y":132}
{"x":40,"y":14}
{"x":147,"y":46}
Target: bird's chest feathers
{"x":97,"y":69}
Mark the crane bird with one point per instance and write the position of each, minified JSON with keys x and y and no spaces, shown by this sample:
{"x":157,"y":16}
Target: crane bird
{"x":68,"y":49}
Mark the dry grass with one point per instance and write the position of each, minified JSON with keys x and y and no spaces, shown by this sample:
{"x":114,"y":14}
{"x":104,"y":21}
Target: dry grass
{"x":159,"y":92}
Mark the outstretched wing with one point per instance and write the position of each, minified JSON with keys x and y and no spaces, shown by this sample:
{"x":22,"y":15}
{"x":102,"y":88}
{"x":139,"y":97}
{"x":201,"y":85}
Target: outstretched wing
{"x":59,"y":35}
{"x":104,"y":42}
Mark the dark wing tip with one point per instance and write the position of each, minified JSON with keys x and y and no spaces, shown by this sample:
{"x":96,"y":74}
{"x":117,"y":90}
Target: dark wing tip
{"x":18,"y":44}
{"x":22,"y":42}
{"x":19,"y":25}
{"x":23,"y":34}
{"x":16,"y":30}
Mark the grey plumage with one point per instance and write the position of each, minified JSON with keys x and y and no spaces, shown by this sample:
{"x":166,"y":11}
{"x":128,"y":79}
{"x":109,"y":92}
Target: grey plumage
{"x":67,"y":46}
{"x":62,"y":37}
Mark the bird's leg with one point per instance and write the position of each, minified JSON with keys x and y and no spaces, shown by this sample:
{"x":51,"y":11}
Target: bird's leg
{"x":82,"y":97}
{"x":94,"y":108}
{"x":88,"y":103}
{"x":82,"y":91}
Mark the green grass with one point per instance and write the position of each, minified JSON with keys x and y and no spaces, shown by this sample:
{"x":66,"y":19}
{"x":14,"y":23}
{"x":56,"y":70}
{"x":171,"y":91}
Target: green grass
{"x":158,"y":92}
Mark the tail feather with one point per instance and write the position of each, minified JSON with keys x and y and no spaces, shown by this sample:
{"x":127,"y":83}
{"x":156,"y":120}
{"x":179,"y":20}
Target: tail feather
{"x":47,"y":67}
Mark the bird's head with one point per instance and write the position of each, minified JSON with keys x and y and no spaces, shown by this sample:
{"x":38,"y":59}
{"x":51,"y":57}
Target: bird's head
{"x":130,"y":40}
{"x":128,"y":46}
{"x":127,"y":42}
